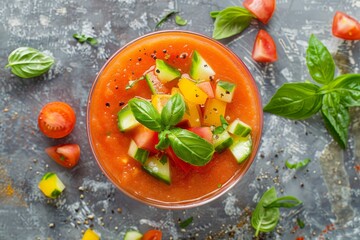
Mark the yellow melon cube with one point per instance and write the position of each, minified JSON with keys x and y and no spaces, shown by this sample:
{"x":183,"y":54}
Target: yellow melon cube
{"x":214,"y":108}
{"x":159,"y":101}
{"x":192,"y":92}
{"x":51,"y":185}
{"x":90,"y":235}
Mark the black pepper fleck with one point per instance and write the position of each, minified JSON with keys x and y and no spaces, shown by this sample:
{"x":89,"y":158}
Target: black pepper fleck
{"x":121,"y":104}
{"x":107,"y":104}
{"x":157,"y":70}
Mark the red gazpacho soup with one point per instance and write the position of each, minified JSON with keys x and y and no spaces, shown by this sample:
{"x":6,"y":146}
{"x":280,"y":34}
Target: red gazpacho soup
{"x":174,"y":119}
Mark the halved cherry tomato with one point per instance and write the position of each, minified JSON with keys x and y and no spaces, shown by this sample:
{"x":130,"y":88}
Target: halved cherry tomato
{"x":56,"y":119}
{"x":67,"y":155}
{"x":152,"y":235}
{"x":264,"y":48}
{"x":262,"y":9}
{"x":345,"y":27}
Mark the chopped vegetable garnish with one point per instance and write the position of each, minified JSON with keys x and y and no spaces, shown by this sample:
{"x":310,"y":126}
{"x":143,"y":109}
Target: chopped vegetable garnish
{"x":297,"y":165}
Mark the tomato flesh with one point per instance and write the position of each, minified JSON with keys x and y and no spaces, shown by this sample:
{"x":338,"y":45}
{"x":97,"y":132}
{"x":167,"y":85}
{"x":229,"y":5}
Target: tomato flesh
{"x":262,"y":9}
{"x":345,"y":27}
{"x":264,"y":48}
{"x":67,"y":155}
{"x":204,"y":132}
{"x":152,"y":235}
{"x":56,"y":119}
{"x":146,"y":139}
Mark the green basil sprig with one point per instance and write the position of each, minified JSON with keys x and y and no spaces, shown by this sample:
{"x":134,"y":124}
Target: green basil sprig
{"x":26,"y":62}
{"x":186,"y":145}
{"x":266,"y":215}
{"x":81,"y":38}
{"x":186,"y":222}
{"x":333,"y":96}
{"x":230,"y":21}
{"x":297,"y":165}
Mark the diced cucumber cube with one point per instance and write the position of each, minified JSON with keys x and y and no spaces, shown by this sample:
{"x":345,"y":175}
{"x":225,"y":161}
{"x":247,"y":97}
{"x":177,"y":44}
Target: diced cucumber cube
{"x":200,"y":70}
{"x":133,"y":235}
{"x":137,"y":153}
{"x":159,"y":167}
{"x":225,"y":91}
{"x":239,"y":128}
{"x":241,"y":148}
{"x":156,"y":87}
{"x":165,"y":72}
{"x":222,"y":141}
{"x":126,"y":119}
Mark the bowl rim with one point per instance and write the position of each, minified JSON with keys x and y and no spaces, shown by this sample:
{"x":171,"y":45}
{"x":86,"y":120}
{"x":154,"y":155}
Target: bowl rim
{"x":230,"y":183}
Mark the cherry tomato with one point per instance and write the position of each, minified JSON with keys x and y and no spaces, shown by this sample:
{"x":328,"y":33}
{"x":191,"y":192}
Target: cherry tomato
{"x":56,"y":119}
{"x":264,"y":48}
{"x":152,"y":235}
{"x":67,"y":155}
{"x":345,"y":27}
{"x":262,"y":9}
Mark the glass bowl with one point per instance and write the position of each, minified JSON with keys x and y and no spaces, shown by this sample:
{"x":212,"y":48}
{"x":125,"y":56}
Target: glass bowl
{"x":108,"y":95}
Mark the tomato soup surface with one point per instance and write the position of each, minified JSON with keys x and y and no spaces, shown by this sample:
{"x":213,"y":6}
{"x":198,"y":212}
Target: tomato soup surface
{"x":109,"y":96}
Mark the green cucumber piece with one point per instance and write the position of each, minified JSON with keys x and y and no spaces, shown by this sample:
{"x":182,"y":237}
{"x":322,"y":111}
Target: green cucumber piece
{"x":224,"y":91}
{"x":137,"y":153}
{"x":159,"y":167}
{"x":165,"y":72}
{"x":222,"y":141}
{"x":239,"y":128}
{"x":241,"y":148}
{"x":126,"y":119}
{"x":133,"y":235}
{"x":200,"y":70}
{"x":154,"y":83}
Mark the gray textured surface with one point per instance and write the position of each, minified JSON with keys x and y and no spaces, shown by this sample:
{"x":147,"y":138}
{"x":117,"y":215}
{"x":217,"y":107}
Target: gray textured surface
{"x":329,"y":186}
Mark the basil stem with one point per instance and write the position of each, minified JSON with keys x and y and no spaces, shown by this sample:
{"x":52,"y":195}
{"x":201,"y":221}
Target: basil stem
{"x":295,"y":101}
{"x":190,"y":147}
{"x":173,"y":111}
{"x":319,"y":61}
{"x":163,"y":19}
{"x":145,"y":113}
{"x":28,"y":62}
{"x":231,"y":21}
{"x":297,"y":165}
{"x":163,"y":141}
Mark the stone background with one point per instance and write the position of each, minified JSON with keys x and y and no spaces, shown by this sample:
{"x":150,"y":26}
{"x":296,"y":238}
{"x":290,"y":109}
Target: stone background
{"x":329,"y":185}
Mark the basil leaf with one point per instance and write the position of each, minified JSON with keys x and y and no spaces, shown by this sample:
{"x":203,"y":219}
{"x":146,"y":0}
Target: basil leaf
{"x":231,"y":21}
{"x":190,"y":147}
{"x":266,"y":214}
{"x":214,"y":14}
{"x":173,"y":111}
{"x":348,"y":86}
{"x":145,"y":113}
{"x":163,"y":141}
{"x":265,"y":220}
{"x":336,"y":117}
{"x":297,"y":165}
{"x":300,"y":223}
{"x":319,"y":61}
{"x":180,"y":21}
{"x":81,"y":38}
{"x":163,"y":19}
{"x":284,"y":202}
{"x":28,"y":62}
{"x":186,"y":222}
{"x":295,"y":101}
